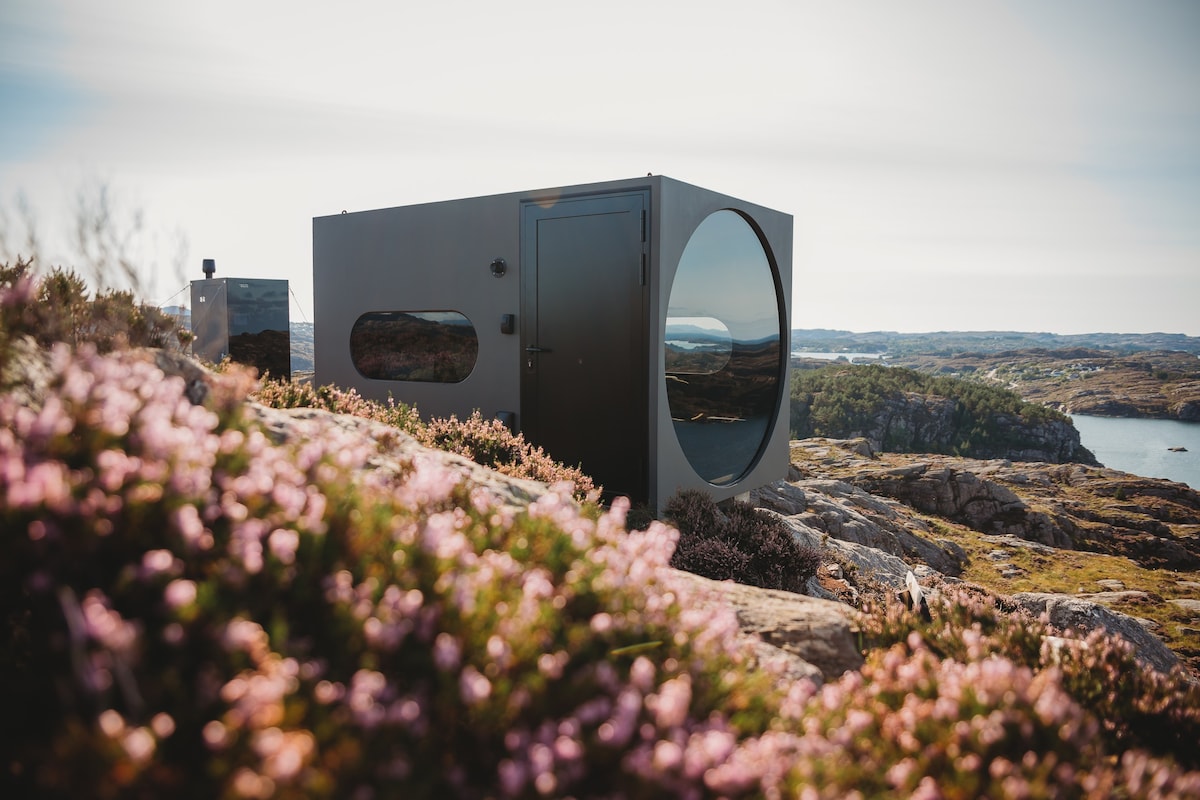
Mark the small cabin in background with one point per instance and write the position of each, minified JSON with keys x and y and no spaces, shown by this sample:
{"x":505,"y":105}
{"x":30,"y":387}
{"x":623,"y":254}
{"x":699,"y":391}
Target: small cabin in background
{"x":246,"y":319}
{"x":637,"y":328}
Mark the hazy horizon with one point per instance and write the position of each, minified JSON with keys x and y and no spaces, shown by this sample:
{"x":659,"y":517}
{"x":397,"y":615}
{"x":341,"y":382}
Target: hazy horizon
{"x":995,"y":166}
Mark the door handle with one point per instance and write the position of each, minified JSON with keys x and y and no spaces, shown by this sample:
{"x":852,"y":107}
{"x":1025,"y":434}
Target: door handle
{"x":534,"y":349}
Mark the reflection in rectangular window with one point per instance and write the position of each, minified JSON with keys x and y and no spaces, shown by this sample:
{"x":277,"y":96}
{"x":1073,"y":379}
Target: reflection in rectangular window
{"x":696,"y":345}
{"x":426,"y":346}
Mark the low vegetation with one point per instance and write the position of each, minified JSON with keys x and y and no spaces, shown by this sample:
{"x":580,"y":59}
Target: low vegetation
{"x":59,"y":308}
{"x":486,"y":442}
{"x":847,"y":400}
{"x":192,"y":610}
{"x":1162,"y":384}
{"x":737,"y":542}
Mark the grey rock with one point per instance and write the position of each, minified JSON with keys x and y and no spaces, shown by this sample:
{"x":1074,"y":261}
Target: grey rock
{"x":849,"y":514}
{"x":870,"y":561}
{"x":1083,"y":616}
{"x":820,"y":632}
{"x":1115,"y":597}
{"x":1188,"y":605}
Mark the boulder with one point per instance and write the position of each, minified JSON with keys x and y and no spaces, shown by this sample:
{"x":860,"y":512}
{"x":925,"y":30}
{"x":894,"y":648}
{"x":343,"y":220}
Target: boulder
{"x":821,"y":510}
{"x":1083,"y":616}
{"x":819,"y":632}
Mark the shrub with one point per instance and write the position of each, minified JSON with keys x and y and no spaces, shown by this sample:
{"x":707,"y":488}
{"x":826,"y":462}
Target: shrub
{"x":492,"y":444}
{"x":847,"y":400}
{"x":57,"y":308}
{"x":1136,"y":706}
{"x":192,"y":610}
{"x":739,"y":543}
{"x":294,"y":394}
{"x":486,"y":442}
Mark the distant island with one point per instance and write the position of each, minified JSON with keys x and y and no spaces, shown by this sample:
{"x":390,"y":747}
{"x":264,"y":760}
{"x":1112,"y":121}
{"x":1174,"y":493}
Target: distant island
{"x":949,"y":343}
{"x":1155,"y":375}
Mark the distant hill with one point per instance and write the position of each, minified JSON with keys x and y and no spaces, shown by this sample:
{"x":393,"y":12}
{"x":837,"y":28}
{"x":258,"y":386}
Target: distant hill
{"x":948,"y":343}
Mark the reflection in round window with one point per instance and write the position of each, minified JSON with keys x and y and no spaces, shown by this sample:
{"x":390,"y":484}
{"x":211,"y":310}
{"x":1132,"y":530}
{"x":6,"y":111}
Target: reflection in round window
{"x":722,"y":348}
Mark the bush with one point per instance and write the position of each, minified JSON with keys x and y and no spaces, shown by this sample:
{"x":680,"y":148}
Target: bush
{"x":192,"y":610}
{"x":1136,"y":707}
{"x":737,"y":543}
{"x":294,"y":394}
{"x":843,"y":401}
{"x":57,"y":308}
{"x":492,"y":444}
{"x":486,"y":442}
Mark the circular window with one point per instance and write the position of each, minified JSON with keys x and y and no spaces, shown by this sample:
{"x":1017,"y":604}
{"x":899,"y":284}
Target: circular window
{"x":722,"y":348}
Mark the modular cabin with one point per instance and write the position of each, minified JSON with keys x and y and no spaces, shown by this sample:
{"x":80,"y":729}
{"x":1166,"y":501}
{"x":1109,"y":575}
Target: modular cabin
{"x":639,"y":329}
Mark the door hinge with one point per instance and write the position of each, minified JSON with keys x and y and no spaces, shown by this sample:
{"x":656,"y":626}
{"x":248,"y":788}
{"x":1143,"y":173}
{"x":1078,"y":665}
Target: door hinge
{"x":643,"y":275}
{"x":643,"y":225}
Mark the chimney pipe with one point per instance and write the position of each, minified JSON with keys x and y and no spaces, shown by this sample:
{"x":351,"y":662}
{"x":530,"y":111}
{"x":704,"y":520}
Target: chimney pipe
{"x":210,"y":268}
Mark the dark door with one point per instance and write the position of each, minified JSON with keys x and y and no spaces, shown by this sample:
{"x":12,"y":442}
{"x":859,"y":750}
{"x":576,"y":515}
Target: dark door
{"x":584,"y":395}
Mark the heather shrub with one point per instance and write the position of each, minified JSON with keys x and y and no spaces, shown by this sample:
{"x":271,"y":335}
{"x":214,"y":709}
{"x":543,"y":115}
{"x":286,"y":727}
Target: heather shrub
{"x":295,"y":394}
{"x":486,"y":442}
{"x":1135,"y":706}
{"x":492,"y":444}
{"x":191,"y":609}
{"x":912,"y":724}
{"x":737,"y":542}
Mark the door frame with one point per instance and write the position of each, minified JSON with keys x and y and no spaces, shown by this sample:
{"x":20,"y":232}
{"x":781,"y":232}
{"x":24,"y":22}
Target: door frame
{"x":532,"y":212}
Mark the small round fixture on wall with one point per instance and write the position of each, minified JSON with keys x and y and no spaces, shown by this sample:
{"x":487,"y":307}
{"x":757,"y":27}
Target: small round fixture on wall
{"x":499,"y":267}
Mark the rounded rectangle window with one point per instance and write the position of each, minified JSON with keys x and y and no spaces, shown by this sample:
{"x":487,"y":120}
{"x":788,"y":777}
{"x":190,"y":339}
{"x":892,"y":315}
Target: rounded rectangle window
{"x":423,"y":346}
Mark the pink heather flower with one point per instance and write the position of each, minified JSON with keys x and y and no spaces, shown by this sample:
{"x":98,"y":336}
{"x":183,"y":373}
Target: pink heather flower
{"x":513,"y":777}
{"x":186,"y":520}
{"x":545,"y":783}
{"x":447,"y":653}
{"x":112,"y":723}
{"x":156,"y":562}
{"x":670,"y":705}
{"x":498,"y":650}
{"x":552,"y":664}
{"x":568,"y":748}
{"x":139,"y":745}
{"x":428,"y":484}
{"x":163,"y":725}
{"x":283,"y":753}
{"x":473,"y":686}
{"x":105,"y":625}
{"x":641,"y":674}
{"x":283,"y":544}
{"x":245,"y":635}
{"x":668,"y":756}
{"x":180,"y":593}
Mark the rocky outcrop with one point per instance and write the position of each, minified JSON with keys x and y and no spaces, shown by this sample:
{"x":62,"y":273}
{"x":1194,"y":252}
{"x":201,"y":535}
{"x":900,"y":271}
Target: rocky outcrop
{"x":1162,"y":384}
{"x":818,"y":634}
{"x":867,"y":531}
{"x":962,"y":495}
{"x":916,"y":423}
{"x":1084,"y":616}
{"x":1071,"y":506}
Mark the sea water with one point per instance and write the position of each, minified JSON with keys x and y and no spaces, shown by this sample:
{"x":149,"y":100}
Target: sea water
{"x":1143,"y":446}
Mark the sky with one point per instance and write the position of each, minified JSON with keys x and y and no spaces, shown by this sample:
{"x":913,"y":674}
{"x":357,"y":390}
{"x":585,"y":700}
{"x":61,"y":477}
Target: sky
{"x":1028,"y":165}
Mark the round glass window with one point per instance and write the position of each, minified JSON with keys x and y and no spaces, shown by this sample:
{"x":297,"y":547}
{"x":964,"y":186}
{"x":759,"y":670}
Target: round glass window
{"x":723,"y":348}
